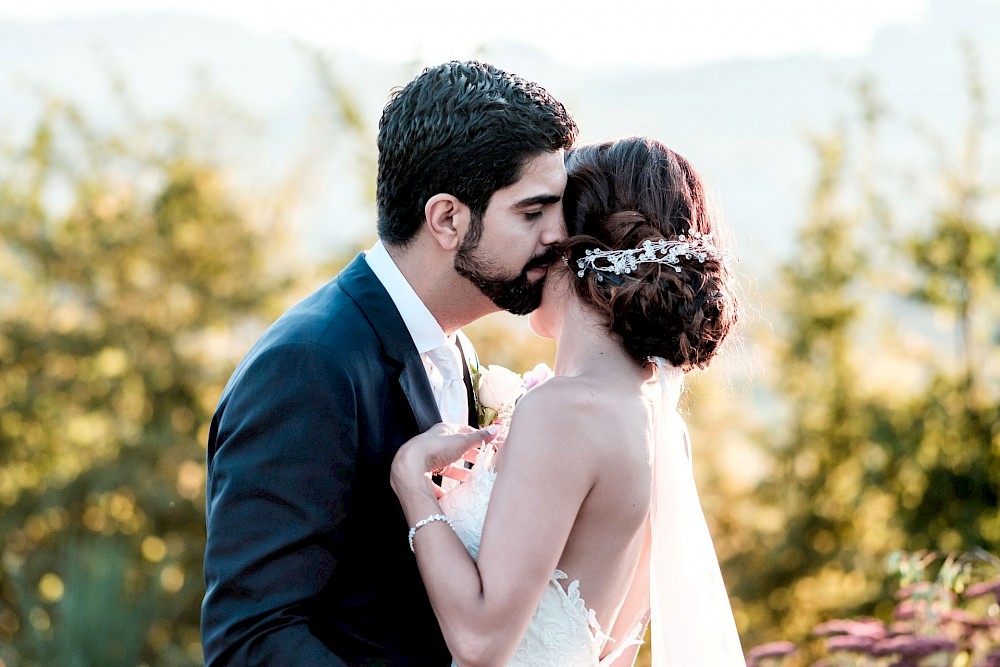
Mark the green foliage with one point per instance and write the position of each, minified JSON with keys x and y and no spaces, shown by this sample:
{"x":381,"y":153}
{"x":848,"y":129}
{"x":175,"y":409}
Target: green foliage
{"x":127,"y":268}
{"x":892,"y":439}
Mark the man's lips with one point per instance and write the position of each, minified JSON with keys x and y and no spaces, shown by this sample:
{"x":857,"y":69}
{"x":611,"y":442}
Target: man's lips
{"x":540,"y":264}
{"x":537,"y":272}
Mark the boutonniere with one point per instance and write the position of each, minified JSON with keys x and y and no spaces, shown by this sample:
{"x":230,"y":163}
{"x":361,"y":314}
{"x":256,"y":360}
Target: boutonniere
{"x":498,"y":389}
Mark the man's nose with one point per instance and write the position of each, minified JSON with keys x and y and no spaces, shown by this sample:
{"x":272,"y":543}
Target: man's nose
{"x":555,"y":230}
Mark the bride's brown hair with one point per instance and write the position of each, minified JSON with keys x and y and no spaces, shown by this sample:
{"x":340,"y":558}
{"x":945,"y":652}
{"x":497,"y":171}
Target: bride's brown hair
{"x":620,"y":194}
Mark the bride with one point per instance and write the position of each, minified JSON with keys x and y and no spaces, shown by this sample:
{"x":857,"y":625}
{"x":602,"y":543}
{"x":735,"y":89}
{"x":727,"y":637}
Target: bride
{"x":593,"y":528}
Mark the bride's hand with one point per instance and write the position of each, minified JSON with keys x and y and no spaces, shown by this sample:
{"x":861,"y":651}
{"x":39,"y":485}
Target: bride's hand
{"x":434,"y":451}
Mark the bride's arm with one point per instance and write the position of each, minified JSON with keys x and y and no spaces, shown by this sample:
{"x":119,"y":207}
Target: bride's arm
{"x":547,"y":470}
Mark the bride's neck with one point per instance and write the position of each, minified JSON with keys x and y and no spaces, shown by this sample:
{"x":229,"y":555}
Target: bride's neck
{"x":584,"y":345}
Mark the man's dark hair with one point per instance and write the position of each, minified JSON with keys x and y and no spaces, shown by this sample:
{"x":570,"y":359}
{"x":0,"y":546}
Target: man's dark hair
{"x":464,"y":128}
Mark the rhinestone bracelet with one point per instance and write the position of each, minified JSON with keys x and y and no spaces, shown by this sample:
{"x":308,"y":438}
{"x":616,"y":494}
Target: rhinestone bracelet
{"x":423,"y":522}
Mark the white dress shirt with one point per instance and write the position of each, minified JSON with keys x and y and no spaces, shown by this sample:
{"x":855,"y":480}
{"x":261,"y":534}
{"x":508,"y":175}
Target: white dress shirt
{"x":425,"y":331}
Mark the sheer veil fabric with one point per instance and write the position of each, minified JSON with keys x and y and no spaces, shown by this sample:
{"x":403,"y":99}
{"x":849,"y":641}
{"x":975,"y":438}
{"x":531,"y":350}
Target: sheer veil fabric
{"x":692,"y":621}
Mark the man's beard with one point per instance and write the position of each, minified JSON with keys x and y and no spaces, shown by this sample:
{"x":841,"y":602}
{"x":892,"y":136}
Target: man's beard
{"x":515,"y":294}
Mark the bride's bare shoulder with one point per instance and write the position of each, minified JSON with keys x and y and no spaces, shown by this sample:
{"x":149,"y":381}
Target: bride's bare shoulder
{"x":567,"y":406}
{"x":561,"y":391}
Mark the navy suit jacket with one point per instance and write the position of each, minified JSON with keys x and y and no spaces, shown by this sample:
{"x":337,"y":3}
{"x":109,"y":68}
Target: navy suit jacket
{"x":307,"y":561}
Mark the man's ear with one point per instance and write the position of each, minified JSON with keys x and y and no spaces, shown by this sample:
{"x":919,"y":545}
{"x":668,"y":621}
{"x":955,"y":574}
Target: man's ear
{"x":447,"y":220}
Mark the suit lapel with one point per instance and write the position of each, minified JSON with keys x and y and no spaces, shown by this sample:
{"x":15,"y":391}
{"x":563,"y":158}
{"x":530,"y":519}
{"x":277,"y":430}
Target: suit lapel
{"x":358,"y":280}
{"x":469,"y":358}
{"x":416,"y":386}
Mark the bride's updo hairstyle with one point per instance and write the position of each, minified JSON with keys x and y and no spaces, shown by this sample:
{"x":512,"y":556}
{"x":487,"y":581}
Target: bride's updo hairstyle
{"x":620,"y":194}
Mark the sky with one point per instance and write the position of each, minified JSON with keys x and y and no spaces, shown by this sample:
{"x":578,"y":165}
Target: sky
{"x":663,"y":33}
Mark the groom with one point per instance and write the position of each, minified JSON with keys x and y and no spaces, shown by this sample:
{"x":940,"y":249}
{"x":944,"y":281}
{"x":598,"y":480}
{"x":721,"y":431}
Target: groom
{"x":307,"y":561}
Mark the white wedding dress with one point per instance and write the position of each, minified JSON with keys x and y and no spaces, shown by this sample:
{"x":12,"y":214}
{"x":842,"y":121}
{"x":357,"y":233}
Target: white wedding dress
{"x":563,"y":631}
{"x":692,"y":622}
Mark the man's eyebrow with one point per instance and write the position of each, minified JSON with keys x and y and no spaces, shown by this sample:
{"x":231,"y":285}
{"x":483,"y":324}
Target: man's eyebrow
{"x":536,"y":200}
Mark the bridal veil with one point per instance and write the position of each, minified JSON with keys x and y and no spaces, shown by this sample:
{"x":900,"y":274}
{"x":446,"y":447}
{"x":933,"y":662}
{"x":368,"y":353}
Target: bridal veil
{"x":692,"y":621}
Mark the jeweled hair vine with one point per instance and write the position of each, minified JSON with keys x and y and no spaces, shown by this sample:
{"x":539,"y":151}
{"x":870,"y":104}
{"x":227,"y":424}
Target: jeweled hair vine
{"x":648,"y":250}
{"x":691,"y":246}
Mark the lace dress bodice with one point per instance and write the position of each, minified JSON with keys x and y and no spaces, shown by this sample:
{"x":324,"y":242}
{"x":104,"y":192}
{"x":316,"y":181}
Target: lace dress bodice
{"x":563,"y":631}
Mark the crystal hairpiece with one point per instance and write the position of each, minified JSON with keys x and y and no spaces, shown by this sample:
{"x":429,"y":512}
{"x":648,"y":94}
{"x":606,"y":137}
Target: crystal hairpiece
{"x":694,"y":245}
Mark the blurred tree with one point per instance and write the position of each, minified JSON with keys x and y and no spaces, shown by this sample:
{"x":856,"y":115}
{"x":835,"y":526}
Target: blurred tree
{"x":950,"y":480}
{"x":347,"y":124}
{"x":131,"y":279}
{"x":891,"y":439}
{"x":807,"y":562}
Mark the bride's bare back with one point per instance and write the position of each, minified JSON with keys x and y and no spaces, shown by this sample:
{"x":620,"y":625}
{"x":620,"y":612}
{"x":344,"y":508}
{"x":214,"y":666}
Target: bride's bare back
{"x":597,"y":470}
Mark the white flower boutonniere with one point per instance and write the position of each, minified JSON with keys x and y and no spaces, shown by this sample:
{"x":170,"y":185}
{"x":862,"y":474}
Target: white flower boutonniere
{"x":498,"y":389}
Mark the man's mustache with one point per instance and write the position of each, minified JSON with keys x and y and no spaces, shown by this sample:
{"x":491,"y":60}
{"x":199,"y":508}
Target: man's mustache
{"x":543,"y":260}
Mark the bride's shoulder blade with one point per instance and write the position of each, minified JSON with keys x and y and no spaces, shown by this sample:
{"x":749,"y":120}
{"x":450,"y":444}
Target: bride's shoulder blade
{"x":565,"y":411}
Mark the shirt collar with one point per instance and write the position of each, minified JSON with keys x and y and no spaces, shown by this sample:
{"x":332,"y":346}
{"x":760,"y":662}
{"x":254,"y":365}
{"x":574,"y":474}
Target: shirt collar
{"x":425,"y":331}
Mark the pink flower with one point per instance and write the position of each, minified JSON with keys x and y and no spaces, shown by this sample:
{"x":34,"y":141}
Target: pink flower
{"x":904,"y":610}
{"x":970,"y":620}
{"x":537,"y":375}
{"x":771,"y":650}
{"x":914,"y":646}
{"x":984,"y":588}
{"x":872,"y":628}
{"x":849,"y":643}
